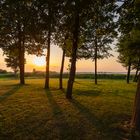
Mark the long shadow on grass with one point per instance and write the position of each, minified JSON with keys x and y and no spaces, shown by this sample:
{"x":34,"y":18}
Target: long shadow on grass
{"x":99,"y":123}
{"x":95,"y":92}
{"x":64,"y":121}
{"x":58,"y":115}
{"x":9,"y":93}
{"x":88,"y":82}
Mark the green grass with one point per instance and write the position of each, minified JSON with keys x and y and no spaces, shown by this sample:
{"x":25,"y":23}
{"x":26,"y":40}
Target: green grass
{"x":32,"y":113}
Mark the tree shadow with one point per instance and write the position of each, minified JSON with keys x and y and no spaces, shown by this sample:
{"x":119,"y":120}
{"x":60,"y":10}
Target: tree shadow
{"x":10,"y":92}
{"x":119,"y":94}
{"x":59,"y":118}
{"x":87,"y":84}
{"x":55,"y":107}
{"x":100,"y":124}
{"x":125,"y":97}
{"x":63,"y":120}
{"x":87,"y":92}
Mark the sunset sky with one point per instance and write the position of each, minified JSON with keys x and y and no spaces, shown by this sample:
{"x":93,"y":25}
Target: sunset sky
{"x":105,"y":65}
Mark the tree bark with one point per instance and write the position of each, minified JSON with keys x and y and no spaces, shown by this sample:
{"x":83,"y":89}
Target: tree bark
{"x":95,"y":60}
{"x":74,"y":52}
{"x":48,"y":52}
{"x":128,"y":72}
{"x":136,"y":111}
{"x":61,"y":70}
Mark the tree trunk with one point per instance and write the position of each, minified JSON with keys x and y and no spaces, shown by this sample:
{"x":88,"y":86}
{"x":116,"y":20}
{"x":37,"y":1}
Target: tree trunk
{"x":48,"y":53}
{"x":20,"y":48}
{"x":128,"y":72}
{"x":136,"y":75}
{"x":71,"y":75}
{"x":136,"y":112}
{"x":137,"y":70}
{"x":61,"y":70}
{"x":21,"y":63}
{"x":74,"y":52}
{"x":96,"y":61}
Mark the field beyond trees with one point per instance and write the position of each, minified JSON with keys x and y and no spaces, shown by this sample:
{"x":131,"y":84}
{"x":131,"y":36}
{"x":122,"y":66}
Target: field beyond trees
{"x":96,"y":112}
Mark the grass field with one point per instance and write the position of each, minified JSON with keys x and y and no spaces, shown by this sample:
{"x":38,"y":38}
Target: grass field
{"x":96,"y":112}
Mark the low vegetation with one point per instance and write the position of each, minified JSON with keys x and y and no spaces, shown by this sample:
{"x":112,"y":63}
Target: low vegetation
{"x":96,"y":112}
{"x":66,"y":75}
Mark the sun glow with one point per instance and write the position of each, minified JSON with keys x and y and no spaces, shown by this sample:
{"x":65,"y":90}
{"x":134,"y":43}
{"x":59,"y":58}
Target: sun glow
{"x":39,"y":61}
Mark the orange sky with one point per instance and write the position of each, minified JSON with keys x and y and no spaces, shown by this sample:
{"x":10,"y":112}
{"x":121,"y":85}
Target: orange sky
{"x":105,"y":65}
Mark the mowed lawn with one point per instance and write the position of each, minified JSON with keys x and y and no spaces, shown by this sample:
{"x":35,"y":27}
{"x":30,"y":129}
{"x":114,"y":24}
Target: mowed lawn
{"x":96,"y":112}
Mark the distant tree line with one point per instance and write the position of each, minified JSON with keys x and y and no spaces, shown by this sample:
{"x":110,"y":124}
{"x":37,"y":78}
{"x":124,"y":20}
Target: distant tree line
{"x":83,"y":29}
{"x":3,"y":71}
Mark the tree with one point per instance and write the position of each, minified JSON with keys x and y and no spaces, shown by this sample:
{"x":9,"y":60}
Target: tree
{"x":130,"y":25}
{"x":136,"y":66}
{"x":12,"y":31}
{"x":125,"y":54}
{"x":49,"y":18}
{"x":64,"y":49}
{"x":63,"y":45}
{"x":135,"y":35}
{"x":74,"y":48}
{"x":18,"y":30}
{"x":100,"y":31}
{"x":48,"y":44}
{"x":79,"y":15}
{"x":67,"y":38}
{"x":129,"y":51}
{"x":12,"y":61}
{"x":136,"y":111}
{"x":64,"y":40}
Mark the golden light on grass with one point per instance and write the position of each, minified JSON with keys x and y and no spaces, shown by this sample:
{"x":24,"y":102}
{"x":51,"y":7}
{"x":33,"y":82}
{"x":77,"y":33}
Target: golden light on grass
{"x":39,"y":61}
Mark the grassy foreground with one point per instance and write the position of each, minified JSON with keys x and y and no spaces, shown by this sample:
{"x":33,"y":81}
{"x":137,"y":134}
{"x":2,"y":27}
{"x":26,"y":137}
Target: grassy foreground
{"x":32,"y":113}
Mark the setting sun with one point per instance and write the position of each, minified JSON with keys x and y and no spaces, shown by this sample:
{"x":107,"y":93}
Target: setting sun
{"x":39,"y":61}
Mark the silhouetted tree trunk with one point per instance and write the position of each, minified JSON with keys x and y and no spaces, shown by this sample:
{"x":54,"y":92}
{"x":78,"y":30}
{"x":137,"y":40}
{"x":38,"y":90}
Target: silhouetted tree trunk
{"x":61,"y":70}
{"x":21,"y":55}
{"x":136,"y":75}
{"x":128,"y":72}
{"x":21,"y":49}
{"x":74,"y":52}
{"x":136,"y":112}
{"x":96,"y":60}
{"x":48,"y":52}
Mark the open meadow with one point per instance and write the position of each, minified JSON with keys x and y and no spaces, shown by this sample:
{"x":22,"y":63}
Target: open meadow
{"x":95,"y":113}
